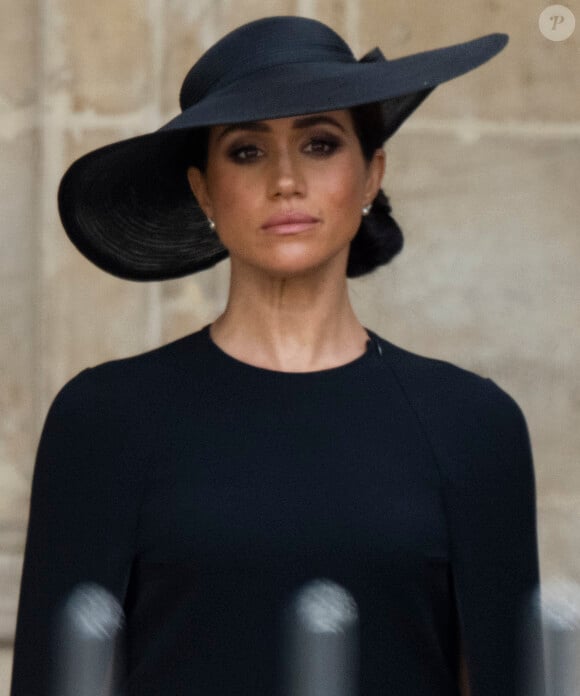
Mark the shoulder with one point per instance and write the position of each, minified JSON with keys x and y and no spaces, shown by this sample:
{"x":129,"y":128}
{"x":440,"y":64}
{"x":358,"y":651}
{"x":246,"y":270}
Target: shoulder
{"x":130,"y":379}
{"x":461,"y":411}
{"x":434,"y":382}
{"x":123,"y":397}
{"x":105,"y":420}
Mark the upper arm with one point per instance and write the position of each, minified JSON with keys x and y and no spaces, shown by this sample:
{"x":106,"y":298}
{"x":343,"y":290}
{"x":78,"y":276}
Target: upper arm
{"x":83,"y":515}
{"x":492,"y":511}
{"x":481,"y":446}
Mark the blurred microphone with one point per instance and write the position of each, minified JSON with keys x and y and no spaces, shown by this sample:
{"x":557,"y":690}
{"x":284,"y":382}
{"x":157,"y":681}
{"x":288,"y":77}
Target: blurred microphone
{"x":88,"y":658}
{"x":322,"y":641}
{"x":556,"y":671}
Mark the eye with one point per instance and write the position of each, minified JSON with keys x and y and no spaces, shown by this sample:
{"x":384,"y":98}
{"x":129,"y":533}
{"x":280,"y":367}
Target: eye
{"x":322,"y":146}
{"x":244,"y":154}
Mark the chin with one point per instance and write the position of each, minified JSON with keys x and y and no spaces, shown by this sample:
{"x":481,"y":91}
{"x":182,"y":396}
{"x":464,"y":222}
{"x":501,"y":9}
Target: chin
{"x":298,"y":267}
{"x":294,"y":260}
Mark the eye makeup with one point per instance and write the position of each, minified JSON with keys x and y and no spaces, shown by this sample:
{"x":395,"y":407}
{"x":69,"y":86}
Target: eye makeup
{"x":318,"y":146}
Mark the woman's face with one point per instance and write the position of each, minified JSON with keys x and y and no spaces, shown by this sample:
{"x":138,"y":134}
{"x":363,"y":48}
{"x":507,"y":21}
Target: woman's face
{"x":309,"y":166}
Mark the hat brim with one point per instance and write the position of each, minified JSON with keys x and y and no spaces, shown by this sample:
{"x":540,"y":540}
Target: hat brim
{"x":128,"y":207}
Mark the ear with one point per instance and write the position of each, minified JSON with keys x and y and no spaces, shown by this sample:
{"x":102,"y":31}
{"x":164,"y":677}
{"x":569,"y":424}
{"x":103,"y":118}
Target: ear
{"x":375,"y":174}
{"x":198,"y":185}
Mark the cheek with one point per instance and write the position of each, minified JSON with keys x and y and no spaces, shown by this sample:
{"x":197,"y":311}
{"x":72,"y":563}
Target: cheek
{"x":233,"y":187}
{"x":237,"y":208}
{"x":343,"y":190}
{"x":234,"y":196}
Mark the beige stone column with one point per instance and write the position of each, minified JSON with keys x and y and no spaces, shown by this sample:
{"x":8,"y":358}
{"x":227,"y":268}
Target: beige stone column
{"x":19,"y":190}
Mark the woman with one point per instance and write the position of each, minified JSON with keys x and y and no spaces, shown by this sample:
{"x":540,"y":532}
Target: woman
{"x":204,"y":482}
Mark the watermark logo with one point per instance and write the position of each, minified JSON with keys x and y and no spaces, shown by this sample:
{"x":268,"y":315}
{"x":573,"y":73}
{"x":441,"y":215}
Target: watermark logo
{"x":557,"y":23}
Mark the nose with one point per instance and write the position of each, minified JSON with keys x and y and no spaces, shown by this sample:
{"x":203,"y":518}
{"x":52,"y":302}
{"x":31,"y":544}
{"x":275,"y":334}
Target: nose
{"x":286,"y":176}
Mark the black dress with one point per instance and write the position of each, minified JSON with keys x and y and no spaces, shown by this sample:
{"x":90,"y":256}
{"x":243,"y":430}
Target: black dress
{"x":203,"y":491}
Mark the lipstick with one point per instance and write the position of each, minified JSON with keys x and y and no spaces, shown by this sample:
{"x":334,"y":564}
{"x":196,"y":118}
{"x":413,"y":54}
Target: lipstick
{"x":290,"y":222}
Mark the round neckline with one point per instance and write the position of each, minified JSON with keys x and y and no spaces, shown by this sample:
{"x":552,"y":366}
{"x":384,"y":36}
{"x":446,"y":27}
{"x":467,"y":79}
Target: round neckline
{"x":354,"y":364}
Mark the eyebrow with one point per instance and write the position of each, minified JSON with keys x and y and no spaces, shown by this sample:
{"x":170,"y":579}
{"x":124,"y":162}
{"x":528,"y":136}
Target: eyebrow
{"x":260,"y":127}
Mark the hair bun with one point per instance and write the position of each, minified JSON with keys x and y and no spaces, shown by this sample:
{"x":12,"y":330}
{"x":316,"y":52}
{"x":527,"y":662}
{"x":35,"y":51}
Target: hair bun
{"x":378,"y":240}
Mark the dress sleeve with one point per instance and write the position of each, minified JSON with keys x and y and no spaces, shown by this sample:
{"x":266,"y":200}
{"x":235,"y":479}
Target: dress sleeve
{"x":491,"y":504}
{"x":83,"y":518}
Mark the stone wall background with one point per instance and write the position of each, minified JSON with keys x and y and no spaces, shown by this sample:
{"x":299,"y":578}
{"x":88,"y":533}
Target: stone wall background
{"x":483,"y":179}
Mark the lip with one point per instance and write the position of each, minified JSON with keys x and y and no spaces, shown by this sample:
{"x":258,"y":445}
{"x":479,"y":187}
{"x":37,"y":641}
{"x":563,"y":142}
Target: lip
{"x":289,"y":223}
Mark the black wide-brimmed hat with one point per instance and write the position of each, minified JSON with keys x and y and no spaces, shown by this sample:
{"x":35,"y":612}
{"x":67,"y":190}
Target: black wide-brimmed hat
{"x":128,"y":206}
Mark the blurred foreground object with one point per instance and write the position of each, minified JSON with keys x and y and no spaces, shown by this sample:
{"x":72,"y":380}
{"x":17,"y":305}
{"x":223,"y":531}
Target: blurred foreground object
{"x":88,"y":646}
{"x":556,"y":671}
{"x":322,"y":641}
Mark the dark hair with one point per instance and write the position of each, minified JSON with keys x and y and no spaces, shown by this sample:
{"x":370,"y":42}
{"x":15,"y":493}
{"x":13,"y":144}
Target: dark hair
{"x":379,"y":237}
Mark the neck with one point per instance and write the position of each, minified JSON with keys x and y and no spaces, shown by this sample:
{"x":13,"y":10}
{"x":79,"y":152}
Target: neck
{"x":297,"y":323}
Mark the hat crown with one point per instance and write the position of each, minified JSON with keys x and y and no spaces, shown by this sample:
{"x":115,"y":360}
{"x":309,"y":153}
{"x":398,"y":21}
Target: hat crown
{"x":264,"y":43}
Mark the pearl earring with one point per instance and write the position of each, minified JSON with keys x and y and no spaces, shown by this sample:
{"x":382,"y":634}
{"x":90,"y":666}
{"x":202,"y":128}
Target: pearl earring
{"x":211,"y":223}
{"x":367,"y":209}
